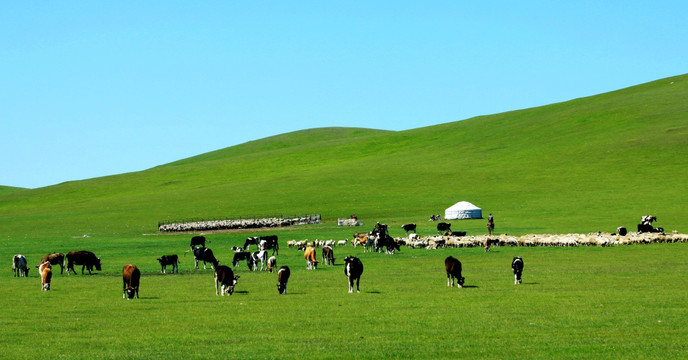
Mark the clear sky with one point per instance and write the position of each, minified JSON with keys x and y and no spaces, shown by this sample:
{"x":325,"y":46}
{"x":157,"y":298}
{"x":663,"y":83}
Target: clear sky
{"x":95,"y":88}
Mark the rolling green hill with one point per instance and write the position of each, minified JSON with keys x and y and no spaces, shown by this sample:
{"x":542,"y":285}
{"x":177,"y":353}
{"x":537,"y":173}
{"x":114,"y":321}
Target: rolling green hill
{"x":579,"y":166}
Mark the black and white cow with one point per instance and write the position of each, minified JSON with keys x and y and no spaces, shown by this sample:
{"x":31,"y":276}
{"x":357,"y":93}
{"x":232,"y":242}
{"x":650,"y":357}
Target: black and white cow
{"x":206,"y":255}
{"x":269,"y":242}
{"x":282,"y":278}
{"x":353,"y":268}
{"x":243,"y":255}
{"x":172,"y":260}
{"x":261,"y":257}
{"x":327,"y":255}
{"x":197,"y":241}
{"x":517,"y":266}
{"x":453,"y":268}
{"x":409,"y":227}
{"x":387,"y":242}
{"x":272,"y":263}
{"x":225,"y":280}
{"x":19,"y":266}
{"x":251,"y":240}
{"x":443,"y":226}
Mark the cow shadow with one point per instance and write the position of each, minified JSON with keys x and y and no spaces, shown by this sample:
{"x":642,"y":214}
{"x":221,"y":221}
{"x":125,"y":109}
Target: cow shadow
{"x":470,"y":286}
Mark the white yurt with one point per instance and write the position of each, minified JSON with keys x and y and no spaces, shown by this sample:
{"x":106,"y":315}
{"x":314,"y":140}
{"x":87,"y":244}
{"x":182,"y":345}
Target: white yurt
{"x":463,"y":210}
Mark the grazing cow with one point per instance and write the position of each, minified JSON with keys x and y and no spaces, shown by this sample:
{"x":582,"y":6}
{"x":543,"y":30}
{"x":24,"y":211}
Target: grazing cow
{"x":243,"y":255}
{"x":282,"y":279}
{"x":86,"y":259}
{"x":443,"y":226}
{"x":269,"y":242}
{"x":225,"y":279}
{"x":328,"y":255}
{"x":131,"y":278}
{"x":453,"y":268}
{"x":169,"y":260}
{"x":259,"y":257}
{"x":353,"y":269}
{"x":206,"y":255}
{"x":272,"y":262}
{"x":19,"y":266}
{"x":46,"y":273}
{"x":517,"y":266}
{"x":252,"y":240}
{"x":197,"y":241}
{"x":309,"y":255}
{"x":55,"y":259}
{"x":409,"y":227}
{"x":489,"y":242}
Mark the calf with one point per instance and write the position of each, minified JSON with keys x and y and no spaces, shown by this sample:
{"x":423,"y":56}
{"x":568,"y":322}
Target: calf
{"x":46,"y":275}
{"x":19,"y":266}
{"x":272,"y":262}
{"x":282,"y":279}
{"x":86,"y":259}
{"x":225,"y":279}
{"x":206,"y":255}
{"x":409,"y":227}
{"x":517,"y":266}
{"x":55,"y":259}
{"x":309,"y":255}
{"x":328,"y":255}
{"x":169,"y":260}
{"x":131,"y":277}
{"x":453,"y":268}
{"x":197,"y":241}
{"x":353,"y":269}
{"x":259,"y":257}
{"x":242,"y":255}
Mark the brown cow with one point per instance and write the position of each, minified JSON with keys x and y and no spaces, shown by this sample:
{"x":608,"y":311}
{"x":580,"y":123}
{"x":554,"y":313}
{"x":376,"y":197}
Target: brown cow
{"x":131,"y":276}
{"x":309,"y":255}
{"x":453,"y":268}
{"x":86,"y":259}
{"x":328,"y":255}
{"x":282,"y":279}
{"x":272,"y":262}
{"x":224,"y":277}
{"x":55,"y":259}
{"x":46,"y":275}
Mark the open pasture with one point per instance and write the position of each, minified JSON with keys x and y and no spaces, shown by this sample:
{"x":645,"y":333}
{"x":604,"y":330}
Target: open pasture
{"x":618,"y":302}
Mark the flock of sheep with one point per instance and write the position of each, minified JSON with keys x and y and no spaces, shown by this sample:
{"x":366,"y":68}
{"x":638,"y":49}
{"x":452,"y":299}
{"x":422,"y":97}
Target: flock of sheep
{"x":229,"y":224}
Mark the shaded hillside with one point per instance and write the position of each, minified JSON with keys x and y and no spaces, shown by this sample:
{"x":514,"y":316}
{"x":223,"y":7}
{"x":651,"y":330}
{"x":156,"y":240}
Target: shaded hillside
{"x":580,"y":166}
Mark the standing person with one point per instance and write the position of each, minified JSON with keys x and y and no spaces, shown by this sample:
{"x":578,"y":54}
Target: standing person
{"x":490,"y":224}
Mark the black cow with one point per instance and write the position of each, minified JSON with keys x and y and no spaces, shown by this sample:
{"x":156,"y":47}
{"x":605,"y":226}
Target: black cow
{"x":388,"y":243}
{"x":327,"y":255}
{"x":225,"y":279}
{"x":242,"y":255}
{"x":54,"y":259}
{"x":269,"y":242}
{"x":458,"y":233}
{"x":131,"y":278}
{"x":621,"y":230}
{"x":206,"y":255}
{"x":353,"y":269}
{"x":517,"y":266}
{"x":169,"y":260}
{"x":453,"y":268}
{"x":443,"y":226}
{"x":409,"y":227}
{"x":86,"y":259}
{"x":282,"y":279}
{"x":197,"y":241}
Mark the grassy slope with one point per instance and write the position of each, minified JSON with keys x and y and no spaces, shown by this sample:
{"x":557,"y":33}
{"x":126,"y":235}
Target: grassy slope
{"x":580,"y":166}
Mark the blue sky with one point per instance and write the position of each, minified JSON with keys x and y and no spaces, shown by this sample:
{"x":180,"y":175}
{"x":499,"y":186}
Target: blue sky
{"x":96,"y":88}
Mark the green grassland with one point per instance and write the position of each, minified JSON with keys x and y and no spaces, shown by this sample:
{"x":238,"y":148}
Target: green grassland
{"x":585,"y":165}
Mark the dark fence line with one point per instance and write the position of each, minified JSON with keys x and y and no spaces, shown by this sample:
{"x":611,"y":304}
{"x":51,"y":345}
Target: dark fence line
{"x":240,"y":223}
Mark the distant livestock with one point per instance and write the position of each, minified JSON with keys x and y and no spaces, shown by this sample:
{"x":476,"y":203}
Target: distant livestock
{"x":54,"y":259}
{"x":353,"y":268}
{"x":131,"y":279}
{"x":46,"y":273}
{"x":409,"y":227}
{"x":517,"y":266}
{"x":453,"y":268}
{"x":19,"y":266}
{"x":443,"y":226}
{"x":225,"y":280}
{"x":282,"y":278}
{"x":86,"y":259}
{"x":171,"y":260}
